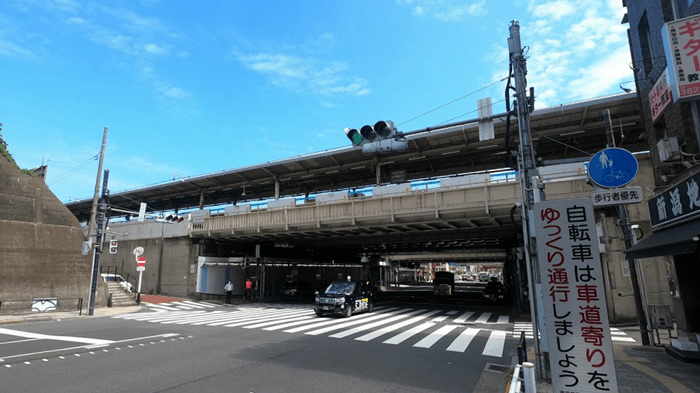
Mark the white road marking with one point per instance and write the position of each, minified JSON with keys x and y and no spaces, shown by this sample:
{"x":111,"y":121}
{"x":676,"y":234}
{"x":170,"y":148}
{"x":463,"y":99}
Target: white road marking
{"x":399,"y":338}
{"x":434,"y":337}
{"x":374,"y":324}
{"x":463,"y":318}
{"x":389,"y":329}
{"x":39,"y":336}
{"x":356,"y":321}
{"x":484,"y":318}
{"x":494,"y":345}
{"x":462,"y":341}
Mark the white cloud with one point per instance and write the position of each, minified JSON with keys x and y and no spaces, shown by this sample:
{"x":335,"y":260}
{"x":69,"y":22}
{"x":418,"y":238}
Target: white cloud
{"x":155,"y":49}
{"x":304,"y":74}
{"x":10,"y":49}
{"x":577,"y":49}
{"x":176,"y":92}
{"x":554,"y":9}
{"x":76,"y":20}
{"x":595,"y":80}
{"x":447,"y":10}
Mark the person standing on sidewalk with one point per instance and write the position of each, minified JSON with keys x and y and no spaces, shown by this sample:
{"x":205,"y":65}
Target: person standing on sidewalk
{"x":248,"y":289}
{"x":229,"y":291}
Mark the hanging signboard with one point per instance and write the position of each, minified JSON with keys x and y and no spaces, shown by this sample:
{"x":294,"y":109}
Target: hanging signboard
{"x":578,"y":329}
{"x":682,"y":50}
{"x":660,"y":95}
{"x":679,"y":203}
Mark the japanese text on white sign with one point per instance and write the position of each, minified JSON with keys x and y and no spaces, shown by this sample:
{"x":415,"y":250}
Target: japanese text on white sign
{"x":578,"y":328}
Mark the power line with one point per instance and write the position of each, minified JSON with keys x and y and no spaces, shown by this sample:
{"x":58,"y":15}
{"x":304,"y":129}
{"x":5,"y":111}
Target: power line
{"x":73,"y":170}
{"x":464,"y":114}
{"x":451,"y":102}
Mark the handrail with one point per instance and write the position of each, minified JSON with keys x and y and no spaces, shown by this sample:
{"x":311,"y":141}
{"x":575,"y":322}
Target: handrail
{"x":116,"y":270}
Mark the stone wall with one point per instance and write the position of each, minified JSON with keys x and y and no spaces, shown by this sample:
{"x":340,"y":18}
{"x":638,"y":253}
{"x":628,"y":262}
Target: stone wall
{"x":41,"y":243}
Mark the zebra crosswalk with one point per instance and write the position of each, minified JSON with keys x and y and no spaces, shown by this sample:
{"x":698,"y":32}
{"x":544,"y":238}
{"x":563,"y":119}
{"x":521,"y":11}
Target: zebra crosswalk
{"x":420,"y":328}
{"x":526,"y":327}
{"x":180,"y":305}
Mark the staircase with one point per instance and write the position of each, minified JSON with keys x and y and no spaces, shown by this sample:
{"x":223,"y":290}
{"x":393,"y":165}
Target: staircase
{"x":120,"y":297}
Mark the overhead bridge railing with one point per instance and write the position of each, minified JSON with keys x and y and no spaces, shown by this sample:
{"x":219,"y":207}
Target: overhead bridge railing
{"x":456,"y":198}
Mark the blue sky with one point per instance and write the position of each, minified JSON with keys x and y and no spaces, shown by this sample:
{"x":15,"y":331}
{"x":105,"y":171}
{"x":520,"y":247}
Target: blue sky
{"x":193,"y":88}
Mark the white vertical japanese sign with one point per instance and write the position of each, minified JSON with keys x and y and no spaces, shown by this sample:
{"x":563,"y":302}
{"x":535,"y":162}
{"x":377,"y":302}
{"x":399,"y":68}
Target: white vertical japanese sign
{"x":578,"y":329}
{"x":681,"y":40}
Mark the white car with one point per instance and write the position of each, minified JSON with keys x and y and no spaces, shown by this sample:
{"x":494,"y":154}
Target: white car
{"x":118,"y":278}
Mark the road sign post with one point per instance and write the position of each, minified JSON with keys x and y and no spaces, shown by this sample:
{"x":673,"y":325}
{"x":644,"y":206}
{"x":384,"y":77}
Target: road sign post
{"x":140,"y":267}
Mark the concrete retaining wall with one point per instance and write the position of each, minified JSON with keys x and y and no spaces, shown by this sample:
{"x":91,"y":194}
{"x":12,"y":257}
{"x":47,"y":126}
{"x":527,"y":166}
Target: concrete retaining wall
{"x":41,"y":242}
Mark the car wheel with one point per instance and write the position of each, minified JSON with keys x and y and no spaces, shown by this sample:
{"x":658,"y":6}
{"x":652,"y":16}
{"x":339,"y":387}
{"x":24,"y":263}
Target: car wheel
{"x":318,"y":313}
{"x":348,"y":311}
{"x":370,"y":306}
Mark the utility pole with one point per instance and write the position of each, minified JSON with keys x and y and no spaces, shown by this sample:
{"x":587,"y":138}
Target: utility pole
{"x":101,"y":228}
{"x":628,"y":236}
{"x":93,"y":213}
{"x":530,"y":190}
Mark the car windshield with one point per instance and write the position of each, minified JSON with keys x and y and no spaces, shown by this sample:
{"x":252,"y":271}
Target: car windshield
{"x":340,"y":288}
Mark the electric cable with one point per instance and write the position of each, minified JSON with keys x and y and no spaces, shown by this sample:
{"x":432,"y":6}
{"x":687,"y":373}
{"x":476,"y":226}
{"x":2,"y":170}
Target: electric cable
{"x":451,"y":102}
{"x":464,"y":114}
{"x":66,"y":174}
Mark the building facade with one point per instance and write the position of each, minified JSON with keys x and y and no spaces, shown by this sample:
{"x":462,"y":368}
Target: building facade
{"x":664,"y":39}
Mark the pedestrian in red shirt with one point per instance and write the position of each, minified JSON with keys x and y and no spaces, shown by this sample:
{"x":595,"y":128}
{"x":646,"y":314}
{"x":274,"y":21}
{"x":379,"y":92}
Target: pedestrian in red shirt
{"x":248,"y":289}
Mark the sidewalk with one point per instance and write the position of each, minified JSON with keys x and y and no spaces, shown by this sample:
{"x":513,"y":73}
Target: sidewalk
{"x":647,"y":369}
{"x":63,"y":315}
{"x":108,"y":311}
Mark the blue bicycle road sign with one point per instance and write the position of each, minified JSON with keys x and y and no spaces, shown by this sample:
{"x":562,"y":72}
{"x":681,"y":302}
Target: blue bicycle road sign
{"x":612,"y":167}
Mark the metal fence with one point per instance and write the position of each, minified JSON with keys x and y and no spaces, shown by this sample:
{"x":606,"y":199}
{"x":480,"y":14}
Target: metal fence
{"x":41,"y":305}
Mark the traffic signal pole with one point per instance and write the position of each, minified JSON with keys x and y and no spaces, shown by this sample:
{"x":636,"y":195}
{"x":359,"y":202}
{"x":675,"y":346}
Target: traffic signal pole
{"x":530,"y":190}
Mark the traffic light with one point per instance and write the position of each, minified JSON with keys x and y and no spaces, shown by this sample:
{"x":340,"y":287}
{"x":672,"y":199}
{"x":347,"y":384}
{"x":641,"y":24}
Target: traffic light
{"x":113,"y":246}
{"x":385,"y":129}
{"x":354,"y":136}
{"x":368,"y":133}
{"x":381,"y":138}
{"x":174,"y":218}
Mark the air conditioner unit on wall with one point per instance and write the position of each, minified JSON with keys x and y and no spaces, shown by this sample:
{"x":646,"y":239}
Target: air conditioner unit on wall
{"x":668,"y":150}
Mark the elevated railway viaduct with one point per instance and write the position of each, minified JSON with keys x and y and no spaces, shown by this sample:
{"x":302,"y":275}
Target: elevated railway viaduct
{"x":281,"y":210}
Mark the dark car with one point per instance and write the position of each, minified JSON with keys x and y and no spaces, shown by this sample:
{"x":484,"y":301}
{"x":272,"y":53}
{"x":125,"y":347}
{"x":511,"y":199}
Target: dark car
{"x":297,"y":290}
{"x":495,"y":291}
{"x":345,"y":297}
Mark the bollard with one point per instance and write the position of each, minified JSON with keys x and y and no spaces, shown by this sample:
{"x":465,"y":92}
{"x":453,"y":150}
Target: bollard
{"x":109,"y":300}
{"x":529,"y":377}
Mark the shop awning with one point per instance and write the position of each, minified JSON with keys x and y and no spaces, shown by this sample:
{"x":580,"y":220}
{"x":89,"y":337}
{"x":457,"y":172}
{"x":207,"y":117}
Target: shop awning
{"x":675,"y":240}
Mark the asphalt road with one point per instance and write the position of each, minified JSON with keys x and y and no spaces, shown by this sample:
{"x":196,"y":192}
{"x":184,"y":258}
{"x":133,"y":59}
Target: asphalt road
{"x":187,"y":351}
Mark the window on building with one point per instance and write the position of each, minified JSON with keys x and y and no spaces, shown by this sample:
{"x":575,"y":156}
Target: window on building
{"x":645,"y":44}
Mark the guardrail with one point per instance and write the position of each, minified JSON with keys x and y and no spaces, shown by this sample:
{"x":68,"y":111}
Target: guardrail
{"x":41,"y":305}
{"x":522,"y":349}
{"x":524,"y":372}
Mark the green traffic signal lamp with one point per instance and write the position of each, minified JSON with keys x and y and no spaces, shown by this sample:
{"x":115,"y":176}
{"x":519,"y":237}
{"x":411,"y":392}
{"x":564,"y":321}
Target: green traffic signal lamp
{"x":354,"y":136}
